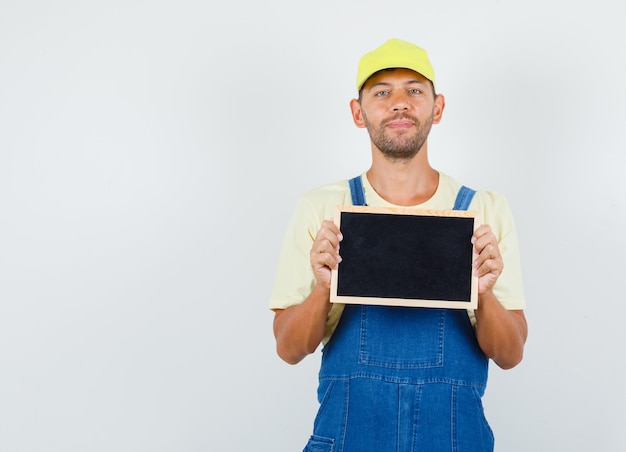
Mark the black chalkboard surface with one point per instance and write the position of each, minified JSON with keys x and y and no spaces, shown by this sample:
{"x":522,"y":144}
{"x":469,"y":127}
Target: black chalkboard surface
{"x":405,"y":257}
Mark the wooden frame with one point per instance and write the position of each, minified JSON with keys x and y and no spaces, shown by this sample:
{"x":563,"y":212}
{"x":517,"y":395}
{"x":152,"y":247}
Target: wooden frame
{"x":405,"y":257}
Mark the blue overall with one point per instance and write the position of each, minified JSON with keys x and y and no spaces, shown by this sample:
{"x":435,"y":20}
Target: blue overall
{"x":402,"y":379}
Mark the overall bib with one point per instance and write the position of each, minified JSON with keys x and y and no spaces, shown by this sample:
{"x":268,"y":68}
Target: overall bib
{"x":402,"y":379}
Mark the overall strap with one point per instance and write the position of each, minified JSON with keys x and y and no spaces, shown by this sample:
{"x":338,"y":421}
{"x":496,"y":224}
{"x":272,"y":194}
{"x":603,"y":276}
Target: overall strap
{"x":357,"y":192}
{"x":464,"y":198}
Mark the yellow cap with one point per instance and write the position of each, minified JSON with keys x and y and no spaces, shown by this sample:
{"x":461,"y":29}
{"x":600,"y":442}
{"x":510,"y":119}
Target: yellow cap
{"x":395,"y":53}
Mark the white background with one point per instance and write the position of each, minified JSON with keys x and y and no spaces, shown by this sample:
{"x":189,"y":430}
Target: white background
{"x":151,"y":153}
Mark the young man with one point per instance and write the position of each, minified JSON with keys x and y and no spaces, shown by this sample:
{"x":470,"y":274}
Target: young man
{"x":395,"y":378}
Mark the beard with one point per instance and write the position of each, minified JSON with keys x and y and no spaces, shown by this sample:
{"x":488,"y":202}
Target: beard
{"x":399,"y":146}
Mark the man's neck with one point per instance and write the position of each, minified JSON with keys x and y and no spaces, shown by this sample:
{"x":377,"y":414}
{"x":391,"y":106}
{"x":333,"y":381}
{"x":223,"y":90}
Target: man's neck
{"x":403,"y":183}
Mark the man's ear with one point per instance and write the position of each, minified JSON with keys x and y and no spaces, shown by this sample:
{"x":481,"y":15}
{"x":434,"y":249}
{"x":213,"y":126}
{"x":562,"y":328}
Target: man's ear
{"x":440,"y":104}
{"x":357,"y":113}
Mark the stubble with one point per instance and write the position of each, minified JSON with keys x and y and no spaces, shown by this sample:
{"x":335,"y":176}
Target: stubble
{"x":399,"y":145}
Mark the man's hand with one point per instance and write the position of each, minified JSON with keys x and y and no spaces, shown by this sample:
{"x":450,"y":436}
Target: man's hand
{"x":489,"y":264}
{"x":325,"y":252}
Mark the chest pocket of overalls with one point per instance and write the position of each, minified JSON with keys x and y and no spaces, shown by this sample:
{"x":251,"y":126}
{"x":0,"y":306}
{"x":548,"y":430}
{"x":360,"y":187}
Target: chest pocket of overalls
{"x":401,"y":338}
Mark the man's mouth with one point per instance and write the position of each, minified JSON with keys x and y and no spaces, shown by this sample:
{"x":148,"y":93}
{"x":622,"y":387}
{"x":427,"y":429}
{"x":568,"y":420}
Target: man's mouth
{"x":400,"y":124}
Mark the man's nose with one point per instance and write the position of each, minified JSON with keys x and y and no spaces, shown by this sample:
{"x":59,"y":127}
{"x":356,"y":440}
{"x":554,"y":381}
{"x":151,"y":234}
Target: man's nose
{"x":399,"y":102}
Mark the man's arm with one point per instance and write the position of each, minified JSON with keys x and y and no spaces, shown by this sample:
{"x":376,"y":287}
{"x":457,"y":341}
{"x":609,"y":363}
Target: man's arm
{"x":299,"y":329}
{"x":501,"y":333}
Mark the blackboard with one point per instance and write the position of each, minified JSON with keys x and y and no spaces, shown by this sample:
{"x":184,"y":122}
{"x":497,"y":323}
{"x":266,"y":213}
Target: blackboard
{"x":405,"y":257}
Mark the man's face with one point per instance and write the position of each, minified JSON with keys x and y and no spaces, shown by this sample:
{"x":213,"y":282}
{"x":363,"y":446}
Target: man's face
{"x":398,"y":108}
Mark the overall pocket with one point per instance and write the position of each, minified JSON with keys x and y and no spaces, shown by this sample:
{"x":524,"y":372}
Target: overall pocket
{"x":401,"y":338}
{"x":332,"y":415}
{"x":319,"y":444}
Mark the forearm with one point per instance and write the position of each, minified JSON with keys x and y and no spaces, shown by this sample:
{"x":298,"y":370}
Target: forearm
{"x":299,"y":329}
{"x":501,"y":333}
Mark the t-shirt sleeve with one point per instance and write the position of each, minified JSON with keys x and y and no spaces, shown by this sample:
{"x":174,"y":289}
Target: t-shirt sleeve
{"x":509,"y":288}
{"x":294,"y":277}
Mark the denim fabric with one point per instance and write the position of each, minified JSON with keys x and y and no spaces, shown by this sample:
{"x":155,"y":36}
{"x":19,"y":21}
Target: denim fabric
{"x":384,"y":389}
{"x":396,"y":379}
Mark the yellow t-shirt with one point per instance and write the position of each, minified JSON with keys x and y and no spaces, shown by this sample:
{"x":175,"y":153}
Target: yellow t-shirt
{"x":294,"y":276}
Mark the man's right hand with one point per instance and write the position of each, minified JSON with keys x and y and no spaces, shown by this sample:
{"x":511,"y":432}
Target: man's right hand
{"x":325,"y":252}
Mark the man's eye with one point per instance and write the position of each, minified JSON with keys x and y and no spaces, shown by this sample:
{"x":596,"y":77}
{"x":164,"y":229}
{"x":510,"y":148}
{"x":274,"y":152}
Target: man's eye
{"x":414,"y":91}
{"x":382,"y":93}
